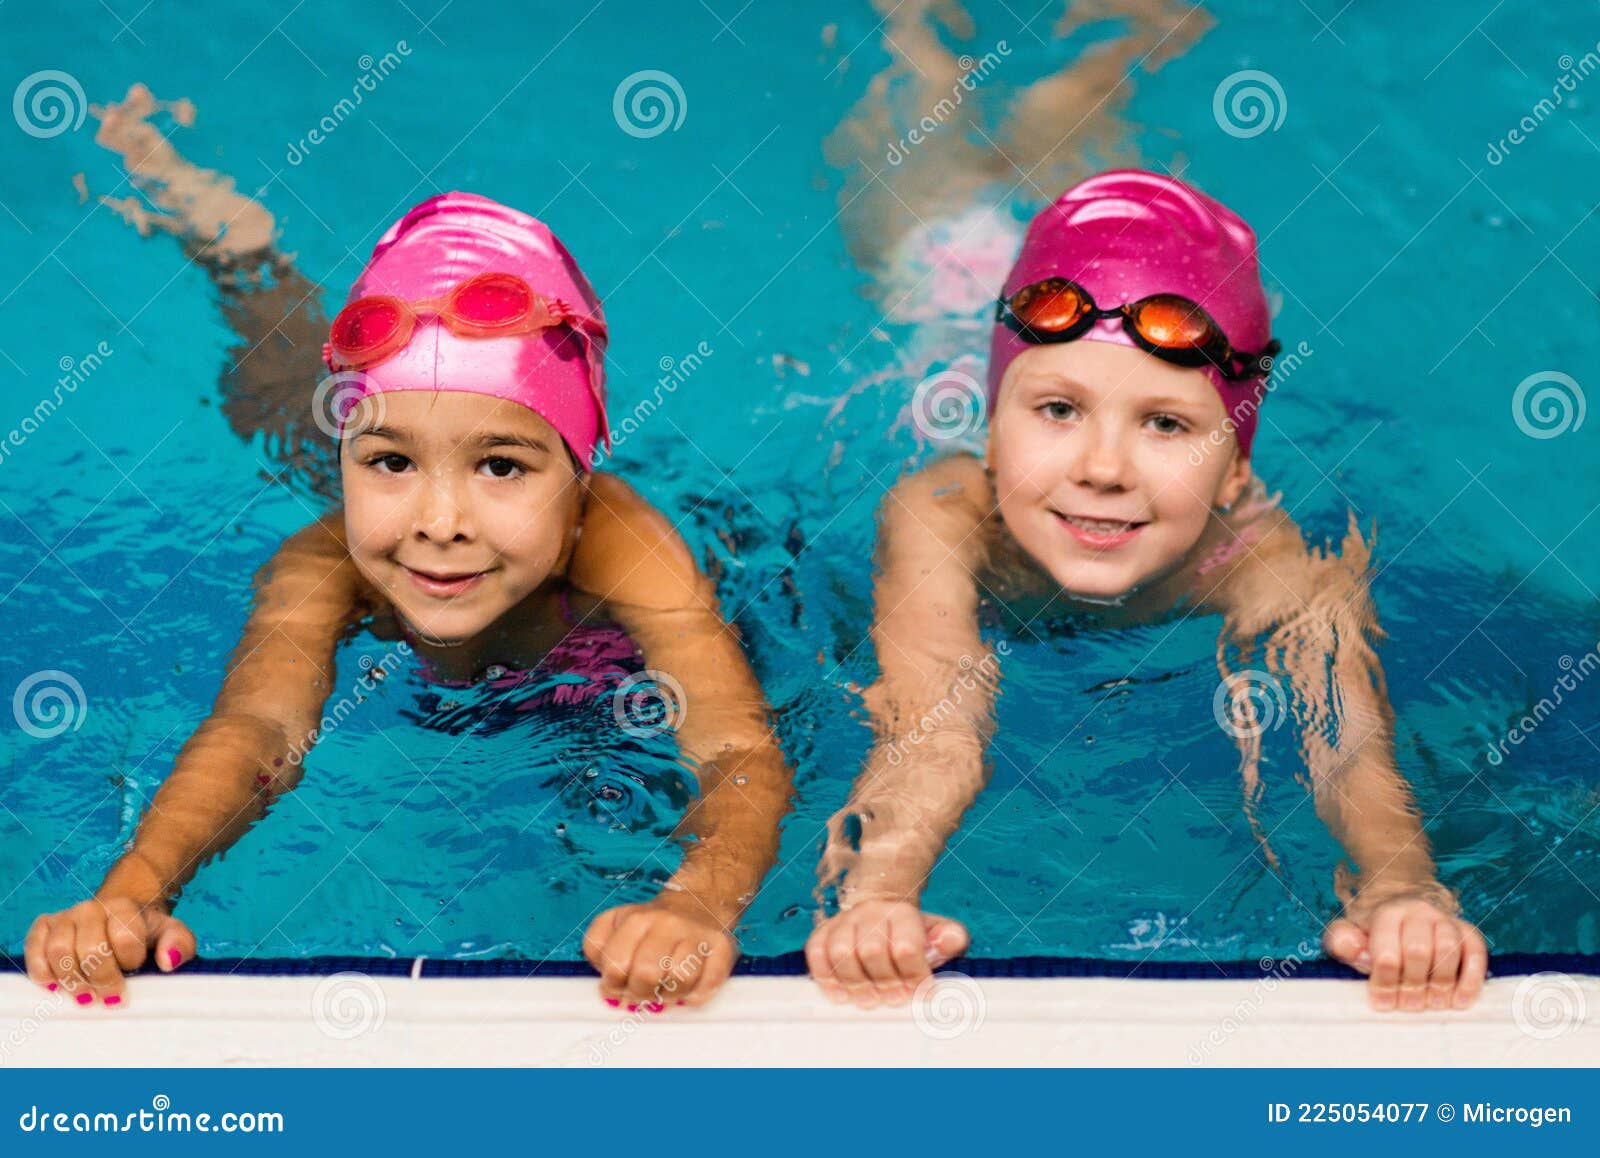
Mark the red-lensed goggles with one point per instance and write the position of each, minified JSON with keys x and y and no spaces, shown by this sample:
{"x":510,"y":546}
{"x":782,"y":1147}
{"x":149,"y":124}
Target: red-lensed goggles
{"x":373,"y":329}
{"x":1171,"y":327}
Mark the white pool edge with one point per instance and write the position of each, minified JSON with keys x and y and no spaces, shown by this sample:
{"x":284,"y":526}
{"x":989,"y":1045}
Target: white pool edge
{"x":357,"y":1020}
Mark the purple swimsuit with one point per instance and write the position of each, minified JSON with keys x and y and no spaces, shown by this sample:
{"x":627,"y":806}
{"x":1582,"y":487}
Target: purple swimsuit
{"x":601,"y":654}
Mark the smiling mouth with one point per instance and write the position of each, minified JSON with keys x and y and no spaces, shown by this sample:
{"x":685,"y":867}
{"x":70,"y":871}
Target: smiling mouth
{"x":1099,"y":526}
{"x":443,"y":583}
{"x":444,"y":576}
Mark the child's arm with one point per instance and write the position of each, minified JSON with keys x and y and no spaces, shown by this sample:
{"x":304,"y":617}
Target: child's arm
{"x":248,"y":750}
{"x":679,"y":945}
{"x":1316,"y":612}
{"x":932,"y":714}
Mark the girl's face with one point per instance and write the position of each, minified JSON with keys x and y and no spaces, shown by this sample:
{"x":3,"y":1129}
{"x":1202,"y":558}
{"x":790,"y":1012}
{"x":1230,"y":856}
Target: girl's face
{"x":1105,"y":470}
{"x":458,"y":506}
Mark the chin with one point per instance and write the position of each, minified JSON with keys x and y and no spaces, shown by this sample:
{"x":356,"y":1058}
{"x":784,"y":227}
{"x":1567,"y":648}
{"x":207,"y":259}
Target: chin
{"x":446,"y":626}
{"x":1094,"y":580}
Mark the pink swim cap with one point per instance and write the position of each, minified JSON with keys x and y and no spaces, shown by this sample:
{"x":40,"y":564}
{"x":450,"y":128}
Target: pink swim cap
{"x":558,"y":373}
{"x":1126,"y":234}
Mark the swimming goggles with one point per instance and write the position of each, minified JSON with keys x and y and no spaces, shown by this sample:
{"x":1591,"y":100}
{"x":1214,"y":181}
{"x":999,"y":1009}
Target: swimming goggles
{"x":373,"y":329}
{"x":1171,"y":327}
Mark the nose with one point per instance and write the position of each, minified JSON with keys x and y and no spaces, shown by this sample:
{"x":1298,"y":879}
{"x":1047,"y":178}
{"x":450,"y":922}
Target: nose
{"x":439,"y":515}
{"x":1101,"y":461}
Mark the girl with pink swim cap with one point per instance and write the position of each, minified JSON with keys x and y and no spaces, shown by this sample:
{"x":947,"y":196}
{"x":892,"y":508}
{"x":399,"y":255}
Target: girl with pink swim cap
{"x":469,"y":397}
{"x":1129,"y":357}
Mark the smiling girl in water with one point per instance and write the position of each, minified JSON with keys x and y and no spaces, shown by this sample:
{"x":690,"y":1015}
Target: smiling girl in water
{"x":469,"y":395}
{"x":1129,"y":356}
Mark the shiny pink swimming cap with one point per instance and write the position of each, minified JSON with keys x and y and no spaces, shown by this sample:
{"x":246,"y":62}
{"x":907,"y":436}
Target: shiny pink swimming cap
{"x":1126,"y":234}
{"x":558,"y":373}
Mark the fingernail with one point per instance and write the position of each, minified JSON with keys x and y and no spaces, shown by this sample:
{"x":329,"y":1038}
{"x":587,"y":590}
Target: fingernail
{"x":683,"y":1003}
{"x":931,"y":955}
{"x":1364,"y":960}
{"x":654,"y":1006}
{"x":633,"y":1009}
{"x":85,"y":998}
{"x":113,"y":1000}
{"x":54,"y":987}
{"x":175,"y":957}
{"x":613,"y":1002}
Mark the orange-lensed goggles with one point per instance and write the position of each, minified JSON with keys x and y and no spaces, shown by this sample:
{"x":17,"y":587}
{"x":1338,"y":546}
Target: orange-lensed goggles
{"x":1171,"y":327}
{"x":373,"y":329}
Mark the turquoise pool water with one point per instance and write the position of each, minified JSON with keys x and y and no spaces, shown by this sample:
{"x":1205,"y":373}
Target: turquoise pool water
{"x":1427,"y":279}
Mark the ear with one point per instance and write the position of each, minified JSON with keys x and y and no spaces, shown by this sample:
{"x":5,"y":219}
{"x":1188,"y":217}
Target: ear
{"x":1234,"y":481}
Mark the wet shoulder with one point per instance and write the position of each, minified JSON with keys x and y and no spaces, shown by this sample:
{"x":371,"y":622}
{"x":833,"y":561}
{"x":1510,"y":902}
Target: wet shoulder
{"x":629,"y":552}
{"x":947,"y":500}
{"x":1283,"y":578}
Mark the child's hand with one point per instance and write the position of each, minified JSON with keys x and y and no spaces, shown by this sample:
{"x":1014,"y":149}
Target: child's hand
{"x":1416,"y":955}
{"x":881,"y":951}
{"x":86,"y":949}
{"x":659,"y":953}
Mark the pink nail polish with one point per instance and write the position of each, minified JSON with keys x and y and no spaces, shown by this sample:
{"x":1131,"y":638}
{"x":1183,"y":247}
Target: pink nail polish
{"x":633,"y":1009}
{"x":54,"y":987}
{"x":113,"y":1000}
{"x":683,"y":1003}
{"x":85,"y":998}
{"x":175,"y":957}
{"x":613,"y":1002}
{"x":654,"y":1006}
